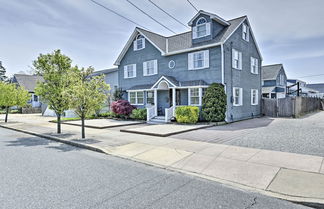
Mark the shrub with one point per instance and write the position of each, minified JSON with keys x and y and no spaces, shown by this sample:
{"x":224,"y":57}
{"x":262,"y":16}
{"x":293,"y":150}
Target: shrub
{"x":214,"y":103}
{"x":187,"y":114}
{"x":122,"y":108}
{"x":139,"y":114}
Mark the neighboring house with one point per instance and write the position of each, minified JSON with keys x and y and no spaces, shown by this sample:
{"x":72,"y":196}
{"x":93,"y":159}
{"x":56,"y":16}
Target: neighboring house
{"x":318,"y":87}
{"x":29,"y":82}
{"x":160,"y":73}
{"x":2,"y":72}
{"x":304,"y":90}
{"x":274,"y":81}
{"x":111,"y":78}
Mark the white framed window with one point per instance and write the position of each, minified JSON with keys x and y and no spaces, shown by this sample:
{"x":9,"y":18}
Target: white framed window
{"x":130,"y":71}
{"x":236,"y":59}
{"x":136,"y":97}
{"x":201,"y":29}
{"x":198,"y":60}
{"x":281,"y":79}
{"x":150,"y":68}
{"x":139,"y":43}
{"x":254,"y":65}
{"x":150,"y":97}
{"x":245,"y":32}
{"x":194,"y":96}
{"x":254,"y":97}
{"x":237,"y":96}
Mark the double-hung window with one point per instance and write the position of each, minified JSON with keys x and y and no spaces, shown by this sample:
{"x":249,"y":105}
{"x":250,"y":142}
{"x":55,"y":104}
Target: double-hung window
{"x":281,"y":80}
{"x":254,"y":97}
{"x":245,"y":32}
{"x":198,"y":60}
{"x":136,"y":97}
{"x":130,"y":71}
{"x":236,"y":59}
{"x":194,"y":96}
{"x":254,"y":65}
{"x":150,"y":97}
{"x":150,"y":68}
{"x":139,"y":43}
{"x":201,"y":29}
{"x":237,"y":96}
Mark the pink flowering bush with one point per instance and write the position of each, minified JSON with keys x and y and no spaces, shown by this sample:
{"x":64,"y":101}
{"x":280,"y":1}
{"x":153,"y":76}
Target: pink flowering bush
{"x":122,"y":108}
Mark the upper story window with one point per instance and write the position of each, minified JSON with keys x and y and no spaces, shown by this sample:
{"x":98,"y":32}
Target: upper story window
{"x":150,"y":68}
{"x":245,"y":32}
{"x":281,"y":79}
{"x":198,"y":60}
{"x":139,"y":43}
{"x":201,"y":29}
{"x":236,"y":59}
{"x":254,"y":65}
{"x":130,"y":71}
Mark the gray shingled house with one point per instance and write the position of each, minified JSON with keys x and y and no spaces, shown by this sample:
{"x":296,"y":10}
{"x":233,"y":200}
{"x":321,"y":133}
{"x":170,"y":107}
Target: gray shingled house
{"x":29,"y":82}
{"x":162,"y":72}
{"x":274,"y":81}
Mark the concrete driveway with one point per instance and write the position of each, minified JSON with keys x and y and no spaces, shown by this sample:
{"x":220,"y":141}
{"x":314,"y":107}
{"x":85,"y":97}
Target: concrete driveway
{"x":303,"y":135}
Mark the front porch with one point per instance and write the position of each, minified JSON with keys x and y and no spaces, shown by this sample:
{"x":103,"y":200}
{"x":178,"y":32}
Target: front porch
{"x":162,"y":98}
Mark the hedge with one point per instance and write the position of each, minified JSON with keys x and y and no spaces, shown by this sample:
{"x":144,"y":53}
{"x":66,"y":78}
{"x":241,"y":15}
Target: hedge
{"x":187,"y":114}
{"x":139,"y":114}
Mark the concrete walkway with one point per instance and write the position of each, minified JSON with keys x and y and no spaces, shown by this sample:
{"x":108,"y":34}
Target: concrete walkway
{"x":289,"y":176}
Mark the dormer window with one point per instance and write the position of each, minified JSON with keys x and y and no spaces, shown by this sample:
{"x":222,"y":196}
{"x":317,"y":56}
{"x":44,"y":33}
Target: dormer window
{"x":201,"y":29}
{"x":139,"y":43}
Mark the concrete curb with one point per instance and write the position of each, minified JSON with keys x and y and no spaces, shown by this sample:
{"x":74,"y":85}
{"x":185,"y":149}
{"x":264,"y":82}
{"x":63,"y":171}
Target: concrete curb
{"x":164,"y":135}
{"x":103,"y":127}
{"x":76,"y":144}
{"x":317,"y":203}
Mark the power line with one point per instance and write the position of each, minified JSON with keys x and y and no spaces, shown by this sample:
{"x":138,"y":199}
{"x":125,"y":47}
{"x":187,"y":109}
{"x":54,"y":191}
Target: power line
{"x":193,"y":6}
{"x":157,"y":6}
{"x":134,"y":5}
{"x":116,"y":13}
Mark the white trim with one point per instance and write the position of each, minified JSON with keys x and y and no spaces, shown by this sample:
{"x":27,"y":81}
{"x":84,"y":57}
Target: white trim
{"x":193,"y":49}
{"x":222,"y":64}
{"x":166,"y":80}
{"x":178,"y":87}
{"x":240,"y":61}
{"x":136,"y":97}
{"x":155,"y":68}
{"x":167,"y":45}
{"x":126,"y":73}
{"x":199,"y":96}
{"x":247,"y":32}
{"x":191,"y":60}
{"x":211,"y":16}
{"x":130,"y":41}
{"x":257,"y":65}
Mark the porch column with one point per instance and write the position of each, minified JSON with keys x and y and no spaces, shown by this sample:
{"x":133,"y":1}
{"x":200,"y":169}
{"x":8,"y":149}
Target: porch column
{"x":155,"y":101}
{"x":174,"y":100}
{"x":200,"y":96}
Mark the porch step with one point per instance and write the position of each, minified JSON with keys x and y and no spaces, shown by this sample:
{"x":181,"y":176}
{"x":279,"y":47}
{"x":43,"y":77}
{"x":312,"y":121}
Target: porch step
{"x":157,"y":120}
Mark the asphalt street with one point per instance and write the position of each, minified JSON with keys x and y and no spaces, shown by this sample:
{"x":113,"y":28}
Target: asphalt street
{"x":38,"y":173}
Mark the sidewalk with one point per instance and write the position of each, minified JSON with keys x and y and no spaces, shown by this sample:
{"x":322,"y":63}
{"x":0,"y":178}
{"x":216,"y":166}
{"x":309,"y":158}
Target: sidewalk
{"x":284,"y":175}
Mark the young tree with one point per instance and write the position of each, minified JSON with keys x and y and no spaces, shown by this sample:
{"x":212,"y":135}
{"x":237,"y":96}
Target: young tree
{"x":87,"y":94}
{"x":11,"y":96}
{"x":54,"y":68}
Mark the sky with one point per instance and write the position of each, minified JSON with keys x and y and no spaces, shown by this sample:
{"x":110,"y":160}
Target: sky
{"x":290,"y":32}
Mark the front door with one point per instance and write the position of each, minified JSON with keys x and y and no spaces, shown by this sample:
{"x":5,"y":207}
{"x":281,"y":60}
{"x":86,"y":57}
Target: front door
{"x":163,"y":101}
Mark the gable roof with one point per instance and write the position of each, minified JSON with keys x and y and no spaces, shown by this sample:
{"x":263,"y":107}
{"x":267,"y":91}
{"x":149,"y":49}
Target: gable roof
{"x":106,"y":71}
{"x":182,"y":42}
{"x":29,"y":82}
{"x":270,"y":72}
{"x":211,"y":15}
{"x":316,"y":86}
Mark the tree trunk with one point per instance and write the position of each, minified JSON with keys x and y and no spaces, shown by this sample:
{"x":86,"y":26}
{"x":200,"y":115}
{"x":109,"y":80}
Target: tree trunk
{"x":58,"y":123}
{"x":82,"y":127}
{"x":7,"y":113}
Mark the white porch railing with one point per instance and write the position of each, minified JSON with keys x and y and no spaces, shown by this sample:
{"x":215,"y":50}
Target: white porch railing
{"x":150,"y":113}
{"x":169,"y":113}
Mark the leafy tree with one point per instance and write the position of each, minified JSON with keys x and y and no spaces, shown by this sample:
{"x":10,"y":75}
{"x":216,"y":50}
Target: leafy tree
{"x":11,"y":96}
{"x":214,"y":103}
{"x":3,"y":77}
{"x":118,"y":94}
{"x":87,"y":94}
{"x":54,"y":68}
